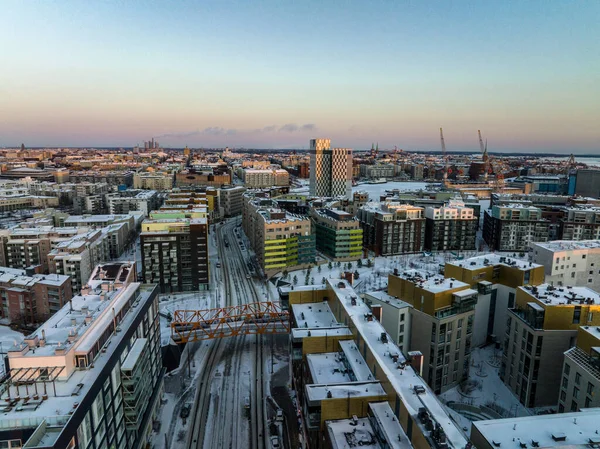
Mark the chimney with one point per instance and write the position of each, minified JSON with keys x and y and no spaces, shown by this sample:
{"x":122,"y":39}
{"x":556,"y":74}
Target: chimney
{"x":377,"y":311}
{"x":349,"y":276}
{"x":416,"y":361}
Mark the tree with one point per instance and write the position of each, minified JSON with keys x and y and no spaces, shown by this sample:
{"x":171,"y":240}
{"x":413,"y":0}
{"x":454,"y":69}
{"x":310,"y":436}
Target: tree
{"x":369,"y":263}
{"x":285,"y":274}
{"x":356,"y":275}
{"x":330,"y":265}
{"x":359,"y":263}
{"x":312,"y":281}
{"x":169,"y":317}
{"x":338,"y":264}
{"x":319,"y":268}
{"x":324,"y":281}
{"x":295,"y":280}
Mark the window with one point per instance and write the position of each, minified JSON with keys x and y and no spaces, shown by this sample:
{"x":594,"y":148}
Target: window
{"x":460,"y":323}
{"x":583,"y":256}
{"x":590,"y":388}
{"x":577,"y":315}
{"x":575,"y":393}
{"x":565,"y":382}
{"x":561,"y":408}
{"x":401,"y":317}
{"x":577,"y":378}
{"x":563,"y":395}
{"x":567,"y":369}
{"x":402,"y":328}
{"x":573,"y":406}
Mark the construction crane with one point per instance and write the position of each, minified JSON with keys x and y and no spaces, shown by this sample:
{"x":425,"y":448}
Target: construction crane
{"x":445,"y":156}
{"x":484,"y":156}
{"x":499,"y":176}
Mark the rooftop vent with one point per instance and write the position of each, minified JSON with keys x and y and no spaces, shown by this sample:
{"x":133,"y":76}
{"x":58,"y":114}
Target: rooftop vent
{"x":559,"y":436}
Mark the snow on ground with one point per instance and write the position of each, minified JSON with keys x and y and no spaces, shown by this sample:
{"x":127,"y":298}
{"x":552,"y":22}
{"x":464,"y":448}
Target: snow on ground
{"x":8,"y":337}
{"x":376,"y":190}
{"x":484,"y":388}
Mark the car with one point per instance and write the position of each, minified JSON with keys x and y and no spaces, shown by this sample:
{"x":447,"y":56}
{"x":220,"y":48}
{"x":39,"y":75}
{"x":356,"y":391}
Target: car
{"x":279,"y":415}
{"x":248,"y":276}
{"x":247,"y":402}
{"x":218,"y":264}
{"x":275,"y":442}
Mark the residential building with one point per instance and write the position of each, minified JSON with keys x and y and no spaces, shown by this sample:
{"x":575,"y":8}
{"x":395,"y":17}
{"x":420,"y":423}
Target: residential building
{"x":540,"y":328}
{"x":442,"y":324}
{"x":77,"y":256}
{"x":330,"y":169}
{"x":91,"y":375}
{"x":280,"y":239}
{"x":450,"y":228}
{"x":232,"y":200}
{"x":29,"y":297}
{"x":377,"y":171}
{"x":568,"y":262}
{"x":580,"y":380}
{"x":175,"y":253}
{"x":514,"y":227}
{"x":153,"y":181}
{"x":342,"y":347}
{"x":256,"y":179}
{"x":215,"y":177}
{"x":565,"y":430}
{"x":391,"y":228}
{"x":110,"y":177}
{"x":338,"y":234}
{"x":126,"y":201}
{"x":581,"y":224}
{"x":394,"y":315}
{"x":496,"y":278}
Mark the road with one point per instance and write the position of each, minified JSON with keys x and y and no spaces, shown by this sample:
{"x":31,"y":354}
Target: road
{"x":233,"y":367}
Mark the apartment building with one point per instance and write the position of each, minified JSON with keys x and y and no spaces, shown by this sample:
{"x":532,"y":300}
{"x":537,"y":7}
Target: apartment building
{"x":342,"y":348}
{"x":580,"y":382}
{"x":175,"y":253}
{"x":110,"y":177}
{"x":280,"y":239}
{"x":153,"y":181}
{"x":391,"y":228}
{"x":568,"y":262}
{"x":540,"y":328}
{"x":214,"y":177}
{"x":581,"y":224}
{"x":496,"y":278}
{"x":514,"y":227}
{"x":231,"y":200}
{"x":29,"y":298}
{"x":330,"y":169}
{"x":256,"y":179}
{"x":90,"y":376}
{"x":565,"y":430}
{"x":77,"y":256}
{"x":127,"y":201}
{"x":442,"y":323}
{"x":338,"y":233}
{"x":377,"y":171}
{"x":450,"y":228}
{"x":394,"y":315}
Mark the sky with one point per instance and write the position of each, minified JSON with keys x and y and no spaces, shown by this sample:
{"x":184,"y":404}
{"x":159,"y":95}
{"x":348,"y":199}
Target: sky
{"x":274,"y":74}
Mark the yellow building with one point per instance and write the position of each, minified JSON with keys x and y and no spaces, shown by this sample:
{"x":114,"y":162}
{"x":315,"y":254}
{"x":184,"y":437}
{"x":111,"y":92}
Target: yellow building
{"x":543,"y":325}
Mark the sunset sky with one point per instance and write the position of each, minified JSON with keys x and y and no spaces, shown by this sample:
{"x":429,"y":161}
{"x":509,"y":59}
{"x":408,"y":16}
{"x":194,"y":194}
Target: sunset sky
{"x":273,"y":74}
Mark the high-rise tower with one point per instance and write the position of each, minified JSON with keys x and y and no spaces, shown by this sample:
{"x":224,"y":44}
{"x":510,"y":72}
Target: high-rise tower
{"x":330,"y":169}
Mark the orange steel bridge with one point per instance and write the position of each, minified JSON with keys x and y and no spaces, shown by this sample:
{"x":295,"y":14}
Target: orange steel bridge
{"x":246,"y":319}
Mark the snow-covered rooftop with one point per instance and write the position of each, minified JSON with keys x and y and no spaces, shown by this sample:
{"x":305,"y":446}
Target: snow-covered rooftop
{"x":568,"y":245}
{"x":319,"y":392}
{"x":401,"y":376}
{"x":327,"y":368}
{"x":300,"y":333}
{"x":388,"y":299}
{"x":350,"y":433}
{"x":473,"y":263}
{"x":434,"y":283}
{"x":355,"y":360}
{"x":313,"y":315}
{"x":562,"y":429}
{"x":554,"y":296}
{"x":389,"y":425}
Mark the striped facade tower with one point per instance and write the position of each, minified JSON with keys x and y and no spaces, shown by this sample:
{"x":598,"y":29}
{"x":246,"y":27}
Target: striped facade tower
{"x":330,"y":170}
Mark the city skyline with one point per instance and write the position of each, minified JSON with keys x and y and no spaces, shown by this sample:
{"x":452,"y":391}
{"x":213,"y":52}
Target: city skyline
{"x":275,"y":75}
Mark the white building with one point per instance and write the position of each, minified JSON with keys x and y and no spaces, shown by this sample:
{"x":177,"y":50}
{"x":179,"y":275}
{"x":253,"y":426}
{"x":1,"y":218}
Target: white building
{"x":395,"y":316}
{"x":90,"y":376}
{"x":568,"y":262}
{"x":330,"y":169}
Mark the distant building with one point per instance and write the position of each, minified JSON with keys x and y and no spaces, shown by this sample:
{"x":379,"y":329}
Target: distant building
{"x":338,"y":234}
{"x":450,"y":228}
{"x":126,"y":201}
{"x":254,"y":178}
{"x":231,"y":200}
{"x":153,"y":181}
{"x":513,"y":227}
{"x":587,"y":183}
{"x":93,"y":371}
{"x":377,"y":171}
{"x":540,"y":328}
{"x":29,"y":298}
{"x":213,"y":176}
{"x":568,"y":262}
{"x":580,"y":224}
{"x":175,"y":253}
{"x":330,"y":169}
{"x":392,"y":228}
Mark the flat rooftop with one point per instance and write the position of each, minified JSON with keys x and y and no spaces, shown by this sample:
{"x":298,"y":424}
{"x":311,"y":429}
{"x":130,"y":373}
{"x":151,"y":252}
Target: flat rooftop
{"x":474,"y":263}
{"x":327,"y":368}
{"x":562,"y":429}
{"x":434,"y":283}
{"x":552,"y":295}
{"x":300,"y":333}
{"x":349,"y":433}
{"x":316,"y":314}
{"x":568,"y":245}
{"x":388,"y":299}
{"x":389,"y":425}
{"x":400,"y":375}
{"x":355,"y":360}
{"x":318,"y":393}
